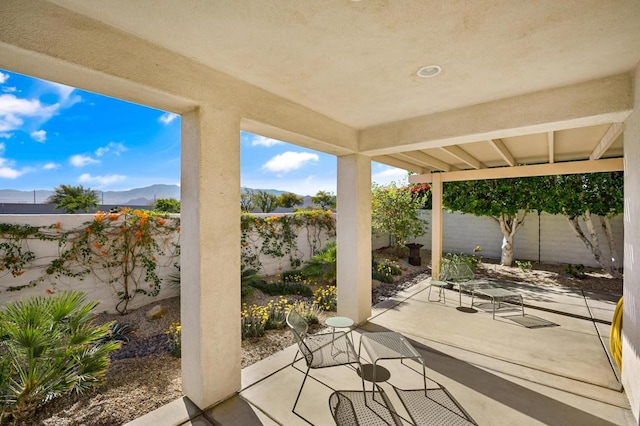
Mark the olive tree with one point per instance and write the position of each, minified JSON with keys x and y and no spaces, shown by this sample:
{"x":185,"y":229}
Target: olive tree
{"x":265,"y":201}
{"x":579,"y":197}
{"x":506,"y":201}
{"x":325,"y":200}
{"x":290,"y":200}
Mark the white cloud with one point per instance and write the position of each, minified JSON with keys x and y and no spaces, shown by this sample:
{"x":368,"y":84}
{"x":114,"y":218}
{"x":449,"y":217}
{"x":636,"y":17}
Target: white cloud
{"x":3,"y":78}
{"x":65,"y":94}
{"x":101,"y":180}
{"x":6,"y":169}
{"x":6,"y":135}
{"x":50,"y":166}
{"x":14,"y":110}
{"x":39,"y":135}
{"x":288,"y":161}
{"x":389,"y":174}
{"x":10,"y":89}
{"x":116,"y":148}
{"x":82,"y":160}
{"x":263,"y":141}
{"x":167,"y":118}
{"x":2,"y":147}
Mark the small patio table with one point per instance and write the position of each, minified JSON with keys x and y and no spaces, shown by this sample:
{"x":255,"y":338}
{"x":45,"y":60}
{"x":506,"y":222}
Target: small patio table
{"x":466,"y":285}
{"x":339,"y":322}
{"x":389,"y":345}
{"x":498,"y":295}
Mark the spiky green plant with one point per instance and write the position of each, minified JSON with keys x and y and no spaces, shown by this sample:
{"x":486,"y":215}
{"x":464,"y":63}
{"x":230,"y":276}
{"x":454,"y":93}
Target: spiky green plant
{"x":322,"y":266}
{"x":49,"y":347}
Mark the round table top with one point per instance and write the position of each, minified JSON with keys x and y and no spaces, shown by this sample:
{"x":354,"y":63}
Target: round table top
{"x":339,"y":322}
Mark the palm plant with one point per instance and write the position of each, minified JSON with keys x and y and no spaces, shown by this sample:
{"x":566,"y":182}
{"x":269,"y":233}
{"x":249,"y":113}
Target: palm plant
{"x":322,"y":266}
{"x":74,"y":198}
{"x":49,"y":347}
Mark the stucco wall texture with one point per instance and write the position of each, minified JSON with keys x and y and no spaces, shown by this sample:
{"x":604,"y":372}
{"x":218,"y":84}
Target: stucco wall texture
{"x":549,"y":240}
{"x":462,"y":233}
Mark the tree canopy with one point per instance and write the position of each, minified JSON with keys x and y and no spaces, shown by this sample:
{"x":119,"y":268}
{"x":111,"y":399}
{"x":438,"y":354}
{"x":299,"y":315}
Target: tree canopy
{"x":74,"y":198}
{"x":167,"y":205}
{"x":265,"y":201}
{"x":325,"y":200}
{"x":290,"y":200}
{"x":506,"y":201}
{"x":394,"y":211}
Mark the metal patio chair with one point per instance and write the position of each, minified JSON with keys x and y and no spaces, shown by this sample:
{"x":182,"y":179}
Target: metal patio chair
{"x":320,"y":350}
{"x":350,"y":408}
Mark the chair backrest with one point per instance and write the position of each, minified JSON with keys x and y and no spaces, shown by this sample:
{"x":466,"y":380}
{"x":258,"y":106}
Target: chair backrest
{"x":342,"y":410}
{"x":299,"y":327}
{"x":455,"y":272}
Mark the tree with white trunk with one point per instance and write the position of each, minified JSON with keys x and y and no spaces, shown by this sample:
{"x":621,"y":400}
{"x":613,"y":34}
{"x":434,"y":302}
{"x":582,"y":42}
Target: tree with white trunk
{"x":506,"y":201}
{"x":581,"y":197}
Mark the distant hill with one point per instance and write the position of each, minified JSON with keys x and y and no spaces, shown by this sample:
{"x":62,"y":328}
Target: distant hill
{"x":133,"y":197}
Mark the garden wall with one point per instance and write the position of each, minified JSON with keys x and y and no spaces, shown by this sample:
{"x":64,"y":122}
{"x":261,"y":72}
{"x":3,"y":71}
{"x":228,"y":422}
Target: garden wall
{"x":46,"y":251}
{"x":549,"y":240}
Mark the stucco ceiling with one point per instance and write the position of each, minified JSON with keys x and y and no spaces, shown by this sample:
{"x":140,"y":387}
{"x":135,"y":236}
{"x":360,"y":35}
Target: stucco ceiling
{"x":356,"y":61}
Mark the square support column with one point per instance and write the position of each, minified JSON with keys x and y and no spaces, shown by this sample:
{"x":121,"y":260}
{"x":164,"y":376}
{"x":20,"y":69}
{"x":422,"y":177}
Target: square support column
{"x":631,"y":289}
{"x":436,"y":225}
{"x":354,"y":237}
{"x":210,"y":255}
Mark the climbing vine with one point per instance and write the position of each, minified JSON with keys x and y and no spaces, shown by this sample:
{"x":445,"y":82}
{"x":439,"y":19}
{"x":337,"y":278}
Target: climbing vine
{"x":120,"y":249}
{"x":277,"y":236}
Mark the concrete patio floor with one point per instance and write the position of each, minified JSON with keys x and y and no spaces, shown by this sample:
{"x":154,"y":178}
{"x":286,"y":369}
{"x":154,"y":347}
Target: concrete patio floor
{"x":498,"y":371}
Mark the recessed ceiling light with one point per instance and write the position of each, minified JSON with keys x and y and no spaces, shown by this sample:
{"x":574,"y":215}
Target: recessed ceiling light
{"x":429,"y":71}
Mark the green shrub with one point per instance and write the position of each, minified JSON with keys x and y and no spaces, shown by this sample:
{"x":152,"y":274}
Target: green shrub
{"x":49,"y":347}
{"x":524,"y":265}
{"x":384,"y":270}
{"x":174,"y":338}
{"x":576,"y":271}
{"x":253,"y":320}
{"x":326,"y":298}
{"x":322,"y":266}
{"x":458,"y":258}
{"x":280,"y":288}
{"x":293,"y":276}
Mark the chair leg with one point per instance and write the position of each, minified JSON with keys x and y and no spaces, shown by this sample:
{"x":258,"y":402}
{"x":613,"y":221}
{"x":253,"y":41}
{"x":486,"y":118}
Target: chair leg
{"x":293,"y":410}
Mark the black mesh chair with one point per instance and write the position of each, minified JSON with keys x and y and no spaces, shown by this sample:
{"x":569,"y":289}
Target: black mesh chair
{"x":350,"y":408}
{"x":320,"y":350}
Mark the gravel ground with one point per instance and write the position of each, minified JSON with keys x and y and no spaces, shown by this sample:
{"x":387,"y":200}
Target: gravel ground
{"x":143,"y":376}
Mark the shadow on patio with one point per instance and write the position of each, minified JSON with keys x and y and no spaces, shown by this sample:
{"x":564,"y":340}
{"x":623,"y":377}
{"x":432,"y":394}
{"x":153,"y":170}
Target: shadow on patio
{"x":491,"y":372}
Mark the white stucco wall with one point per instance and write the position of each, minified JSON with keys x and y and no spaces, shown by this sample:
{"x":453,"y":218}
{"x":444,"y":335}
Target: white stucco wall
{"x":48,"y":250}
{"x":631,"y":291}
{"x":557,"y":242}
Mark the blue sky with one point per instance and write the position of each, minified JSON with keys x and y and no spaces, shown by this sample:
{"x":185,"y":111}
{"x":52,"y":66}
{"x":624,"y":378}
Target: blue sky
{"x":51,"y":134}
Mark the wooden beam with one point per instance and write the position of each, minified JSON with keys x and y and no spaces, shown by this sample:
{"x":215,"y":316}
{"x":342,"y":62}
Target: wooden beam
{"x":607,"y":140}
{"x":425,"y":160}
{"x":501,"y":148}
{"x":551,"y":144}
{"x":463,"y":156}
{"x":567,"y":168}
{"x":391,"y":161}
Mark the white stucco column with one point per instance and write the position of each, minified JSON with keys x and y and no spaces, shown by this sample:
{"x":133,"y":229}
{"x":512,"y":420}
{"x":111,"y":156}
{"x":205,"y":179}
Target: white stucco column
{"x":631,"y":316}
{"x":354,"y":237}
{"x":210,"y":255}
{"x":436,"y":225}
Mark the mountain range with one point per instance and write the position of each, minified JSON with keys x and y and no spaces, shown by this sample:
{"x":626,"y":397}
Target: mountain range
{"x":133,"y":197}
